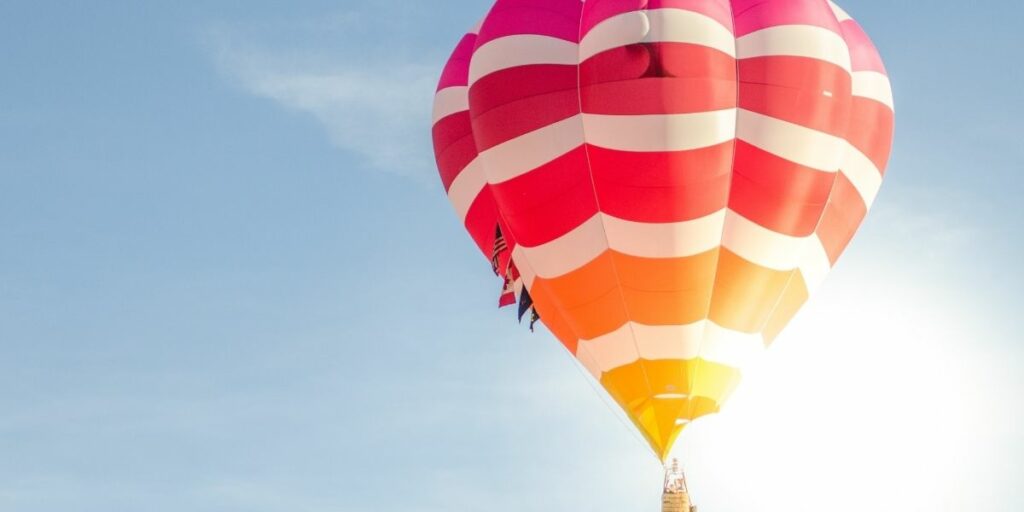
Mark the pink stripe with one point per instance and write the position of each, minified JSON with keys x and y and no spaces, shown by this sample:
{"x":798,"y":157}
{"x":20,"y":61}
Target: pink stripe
{"x":753,"y":15}
{"x":456,"y":71}
{"x":555,"y":18}
{"x":596,"y":11}
{"x":863,"y":54}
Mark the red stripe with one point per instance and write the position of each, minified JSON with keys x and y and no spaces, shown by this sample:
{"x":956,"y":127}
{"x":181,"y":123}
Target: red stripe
{"x":549,"y":201}
{"x":451,"y":129}
{"x":518,"y":118}
{"x":518,"y":83}
{"x":521,"y":113}
{"x":871,"y":130}
{"x":664,"y":59}
{"x":794,"y":89}
{"x":660,"y":78}
{"x":780,"y":195}
{"x":662,"y":186}
{"x":454,"y":159}
{"x":480,"y":221}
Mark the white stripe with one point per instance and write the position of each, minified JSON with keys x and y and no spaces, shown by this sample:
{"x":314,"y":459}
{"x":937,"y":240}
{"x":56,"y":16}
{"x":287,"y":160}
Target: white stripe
{"x":569,"y":251}
{"x":520,"y":50}
{"x":641,"y":133}
{"x":796,"y":40}
{"x":796,"y":143}
{"x":841,"y":15}
{"x":532,"y":150}
{"x":583,"y":244}
{"x":660,"y":132}
{"x":655,"y":26}
{"x":614,"y":349}
{"x":814,"y":263}
{"x":647,"y":240}
{"x":760,"y":245}
{"x":873,"y":85}
{"x":587,"y":360}
{"x":524,"y":266}
{"x":862,"y":172}
{"x":449,"y":101}
{"x":664,"y":239}
{"x":704,"y":339}
{"x":669,"y":341}
{"x":729,"y":347}
{"x":466,"y":187}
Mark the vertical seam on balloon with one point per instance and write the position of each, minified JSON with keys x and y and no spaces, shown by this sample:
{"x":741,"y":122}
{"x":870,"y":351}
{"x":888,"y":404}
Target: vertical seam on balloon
{"x":597,"y":202}
{"x":728,"y":197}
{"x":828,"y":201}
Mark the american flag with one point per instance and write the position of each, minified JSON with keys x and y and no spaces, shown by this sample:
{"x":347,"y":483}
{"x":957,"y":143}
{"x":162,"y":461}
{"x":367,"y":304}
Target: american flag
{"x":499,"y":247}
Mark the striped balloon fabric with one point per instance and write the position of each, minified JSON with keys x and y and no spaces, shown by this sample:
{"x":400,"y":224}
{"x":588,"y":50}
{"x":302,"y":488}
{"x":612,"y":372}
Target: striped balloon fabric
{"x":673,"y":178}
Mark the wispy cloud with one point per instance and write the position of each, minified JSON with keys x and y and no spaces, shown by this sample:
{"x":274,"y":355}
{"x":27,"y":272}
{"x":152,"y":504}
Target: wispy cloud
{"x":373,"y":104}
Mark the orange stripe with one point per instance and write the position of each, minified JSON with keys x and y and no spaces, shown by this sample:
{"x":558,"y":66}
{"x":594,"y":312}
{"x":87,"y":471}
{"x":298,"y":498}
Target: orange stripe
{"x":656,"y":291}
{"x":745,"y":293}
{"x":664,"y":291}
{"x":552,"y":317}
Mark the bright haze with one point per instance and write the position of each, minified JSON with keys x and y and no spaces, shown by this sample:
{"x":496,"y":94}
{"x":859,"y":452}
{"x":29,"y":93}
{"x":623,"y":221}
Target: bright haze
{"x":230,"y":281}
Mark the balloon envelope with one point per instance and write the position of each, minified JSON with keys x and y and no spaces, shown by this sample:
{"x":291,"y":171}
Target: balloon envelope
{"x":669,"y":180}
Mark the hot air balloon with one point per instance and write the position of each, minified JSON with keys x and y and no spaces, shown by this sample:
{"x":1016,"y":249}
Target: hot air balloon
{"x":664,"y":182}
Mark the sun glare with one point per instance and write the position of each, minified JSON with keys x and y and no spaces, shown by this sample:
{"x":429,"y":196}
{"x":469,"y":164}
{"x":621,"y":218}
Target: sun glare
{"x":865,"y":400}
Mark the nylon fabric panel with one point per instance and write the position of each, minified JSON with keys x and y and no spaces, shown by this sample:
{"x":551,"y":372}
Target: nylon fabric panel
{"x":672,"y":380}
{"x":841,"y":219}
{"x":549,"y":201}
{"x":753,"y":15}
{"x":658,"y":78}
{"x":668,"y":186}
{"x":871,"y":130}
{"x":505,"y":106}
{"x":776,"y":193}
{"x":745,"y":293}
{"x":657,"y":291}
{"x":793,"y":298}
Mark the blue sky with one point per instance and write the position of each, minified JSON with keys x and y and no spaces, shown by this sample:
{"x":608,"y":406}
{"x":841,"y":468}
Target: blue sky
{"x":229,"y":281}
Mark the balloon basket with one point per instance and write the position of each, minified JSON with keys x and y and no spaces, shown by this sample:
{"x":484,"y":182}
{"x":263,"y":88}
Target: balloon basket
{"x":675,"y":496}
